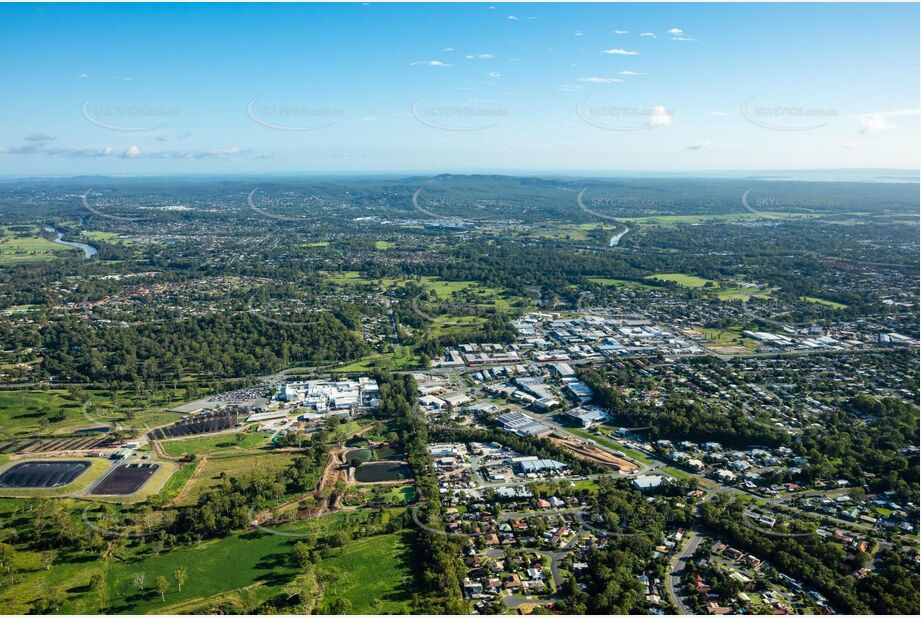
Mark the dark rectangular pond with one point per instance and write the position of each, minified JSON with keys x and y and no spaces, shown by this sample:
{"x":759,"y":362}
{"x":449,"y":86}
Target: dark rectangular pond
{"x":125,"y":479}
{"x":39,"y":474}
{"x":376,"y":472}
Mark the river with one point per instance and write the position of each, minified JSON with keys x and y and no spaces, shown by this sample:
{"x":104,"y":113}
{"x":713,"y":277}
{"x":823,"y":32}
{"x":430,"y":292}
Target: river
{"x":88,"y":250}
{"x":616,"y":237}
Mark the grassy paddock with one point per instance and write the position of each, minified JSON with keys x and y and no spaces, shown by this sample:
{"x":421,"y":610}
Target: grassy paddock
{"x":823,"y":301}
{"x":267,"y":463}
{"x":30,"y":249}
{"x":687,"y":281}
{"x":223,"y":445}
{"x":25,"y":411}
{"x":374,"y":572}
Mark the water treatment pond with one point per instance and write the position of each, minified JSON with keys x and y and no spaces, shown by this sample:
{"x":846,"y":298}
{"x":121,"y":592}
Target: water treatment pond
{"x":42,"y":474}
{"x":376,"y":472}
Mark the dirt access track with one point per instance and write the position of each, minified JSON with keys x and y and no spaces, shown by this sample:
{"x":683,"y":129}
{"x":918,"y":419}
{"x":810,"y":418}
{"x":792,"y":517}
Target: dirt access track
{"x":590,"y":452}
{"x":325,"y":497}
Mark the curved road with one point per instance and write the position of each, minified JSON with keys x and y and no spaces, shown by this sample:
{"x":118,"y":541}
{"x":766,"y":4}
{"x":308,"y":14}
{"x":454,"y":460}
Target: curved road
{"x":677,"y":567}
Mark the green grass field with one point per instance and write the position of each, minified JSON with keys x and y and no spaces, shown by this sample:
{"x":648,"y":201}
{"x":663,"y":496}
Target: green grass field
{"x":267,"y":463}
{"x":729,"y":340}
{"x":223,"y":445}
{"x":15,"y":250}
{"x":622,"y":283}
{"x":577,"y":232}
{"x":24,"y":412}
{"x":375,"y":573}
{"x":109,"y":237}
{"x":740,"y":293}
{"x":688,"y":281}
{"x":670,"y":220}
{"x":443,"y":289}
{"x":823,"y":301}
{"x":401,"y":358}
{"x":178,"y":480}
{"x":451,"y":325}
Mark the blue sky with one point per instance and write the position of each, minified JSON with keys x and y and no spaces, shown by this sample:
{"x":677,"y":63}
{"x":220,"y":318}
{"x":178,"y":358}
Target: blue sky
{"x":234,"y":88}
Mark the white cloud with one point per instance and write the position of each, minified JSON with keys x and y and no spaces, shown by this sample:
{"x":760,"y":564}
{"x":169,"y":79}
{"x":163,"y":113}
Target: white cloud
{"x":621,"y":32}
{"x":513,"y":18}
{"x":619,"y":52}
{"x":577,"y":33}
{"x":718,"y":113}
{"x":429,"y":63}
{"x":132,"y":152}
{"x":682,"y":38}
{"x":651,"y":35}
{"x":449,"y":49}
{"x":38,"y":137}
{"x":494,"y":75}
{"x":81,"y":153}
{"x":24,"y":149}
{"x":675,"y":31}
{"x":479,"y":56}
{"x":704,"y":145}
{"x":629,"y":73}
{"x":600,"y":80}
{"x":660,"y":117}
{"x":220,"y":152}
{"x":83,"y":76}
{"x":849,"y":145}
{"x":880,"y":121}
{"x":208,"y":153}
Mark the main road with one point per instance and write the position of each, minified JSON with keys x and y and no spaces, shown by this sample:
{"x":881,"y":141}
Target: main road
{"x":677,"y":567}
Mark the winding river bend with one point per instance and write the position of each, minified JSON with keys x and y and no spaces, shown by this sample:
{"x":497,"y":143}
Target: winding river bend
{"x":88,"y":250}
{"x":616,"y":237}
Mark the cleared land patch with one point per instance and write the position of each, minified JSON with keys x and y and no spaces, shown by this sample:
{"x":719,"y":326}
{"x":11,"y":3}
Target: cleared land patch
{"x":823,"y":301}
{"x":688,"y":281}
